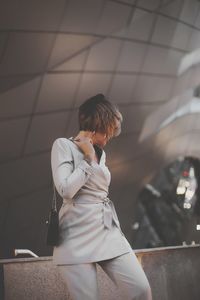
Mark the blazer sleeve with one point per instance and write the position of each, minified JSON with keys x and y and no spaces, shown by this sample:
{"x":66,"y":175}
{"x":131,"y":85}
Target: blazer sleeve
{"x":67,"y":180}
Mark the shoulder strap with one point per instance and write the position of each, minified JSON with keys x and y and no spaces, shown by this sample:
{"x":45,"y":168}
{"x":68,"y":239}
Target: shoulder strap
{"x":54,"y":204}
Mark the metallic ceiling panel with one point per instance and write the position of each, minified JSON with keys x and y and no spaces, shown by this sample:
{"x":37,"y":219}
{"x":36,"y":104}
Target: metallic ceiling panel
{"x":172,"y":8}
{"x":197,"y":123}
{"x":171,"y":33}
{"x":140,"y":26}
{"x":92,"y":84}
{"x":136,"y":115}
{"x":12,"y":134}
{"x":131,"y":57}
{"x":72,"y":127}
{"x":182,"y":83}
{"x":193,"y":145}
{"x":113,"y":18}
{"x":19,"y":101}
{"x":154,"y":121}
{"x":31,"y":15}
{"x":57,"y":92}
{"x":82,"y":16}
{"x":194,"y":41}
{"x":24,"y":175}
{"x":40,"y":138}
{"x":122,"y":88}
{"x":12,"y":81}
{"x":152,"y":89}
{"x":162,"y":61}
{"x":3,"y":41}
{"x":175,"y":148}
{"x":76,"y":63}
{"x":126,"y":146}
{"x":189,"y":11}
{"x":128,"y":1}
{"x":26,"y":53}
{"x":103,"y":55}
{"x":197,"y":20}
{"x":21,"y":222}
{"x":66,"y":46}
{"x":150,"y":4}
{"x":132,"y":170}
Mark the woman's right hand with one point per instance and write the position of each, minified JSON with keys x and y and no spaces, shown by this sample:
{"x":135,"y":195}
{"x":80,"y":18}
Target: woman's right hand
{"x":86,"y":146}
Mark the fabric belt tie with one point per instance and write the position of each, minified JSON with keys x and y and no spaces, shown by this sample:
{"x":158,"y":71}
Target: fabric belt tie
{"x":109,"y":213}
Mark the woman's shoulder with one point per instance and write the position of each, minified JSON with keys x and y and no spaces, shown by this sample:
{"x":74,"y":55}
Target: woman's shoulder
{"x":66,"y":144}
{"x":61,"y":152}
{"x":62,"y":142}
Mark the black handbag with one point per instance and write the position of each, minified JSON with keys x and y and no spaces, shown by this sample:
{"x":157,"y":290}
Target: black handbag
{"x":53,"y":222}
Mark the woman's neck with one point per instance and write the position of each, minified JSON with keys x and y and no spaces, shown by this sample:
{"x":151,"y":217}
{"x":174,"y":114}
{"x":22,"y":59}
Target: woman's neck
{"x":85,"y":133}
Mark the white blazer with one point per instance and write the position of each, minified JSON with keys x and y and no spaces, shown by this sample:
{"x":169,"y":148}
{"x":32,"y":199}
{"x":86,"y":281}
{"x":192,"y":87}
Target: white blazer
{"x":89,"y":226}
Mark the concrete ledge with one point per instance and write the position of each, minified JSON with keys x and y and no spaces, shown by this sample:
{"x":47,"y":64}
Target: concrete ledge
{"x":173,"y":273}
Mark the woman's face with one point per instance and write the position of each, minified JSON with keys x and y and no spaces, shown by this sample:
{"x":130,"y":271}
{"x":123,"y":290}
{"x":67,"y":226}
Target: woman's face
{"x":101,"y":139}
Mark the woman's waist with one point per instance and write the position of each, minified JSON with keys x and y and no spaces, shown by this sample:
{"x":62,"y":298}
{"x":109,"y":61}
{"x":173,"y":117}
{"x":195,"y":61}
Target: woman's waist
{"x":108,"y":211}
{"x":88,"y":198}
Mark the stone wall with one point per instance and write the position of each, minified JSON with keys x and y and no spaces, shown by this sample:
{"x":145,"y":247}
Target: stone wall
{"x":173,"y":273}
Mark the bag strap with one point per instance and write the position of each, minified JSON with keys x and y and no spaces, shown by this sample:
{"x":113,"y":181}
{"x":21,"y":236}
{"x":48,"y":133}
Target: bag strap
{"x":54,"y":200}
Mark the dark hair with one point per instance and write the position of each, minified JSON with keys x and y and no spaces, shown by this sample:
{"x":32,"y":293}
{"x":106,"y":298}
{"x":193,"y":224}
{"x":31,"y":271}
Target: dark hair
{"x":98,"y":114}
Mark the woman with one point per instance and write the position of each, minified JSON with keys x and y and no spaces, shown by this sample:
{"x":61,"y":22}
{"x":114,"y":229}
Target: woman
{"x":90,"y":231}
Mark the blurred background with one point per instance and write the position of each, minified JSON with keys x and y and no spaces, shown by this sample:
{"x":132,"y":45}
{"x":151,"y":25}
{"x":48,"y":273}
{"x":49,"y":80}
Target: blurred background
{"x":144,"y":56}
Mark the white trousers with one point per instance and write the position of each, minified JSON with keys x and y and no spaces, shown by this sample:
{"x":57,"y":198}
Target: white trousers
{"x":124,"y":270}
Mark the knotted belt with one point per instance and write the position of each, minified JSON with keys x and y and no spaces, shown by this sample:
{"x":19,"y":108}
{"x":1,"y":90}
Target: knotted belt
{"x":109,"y":212}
